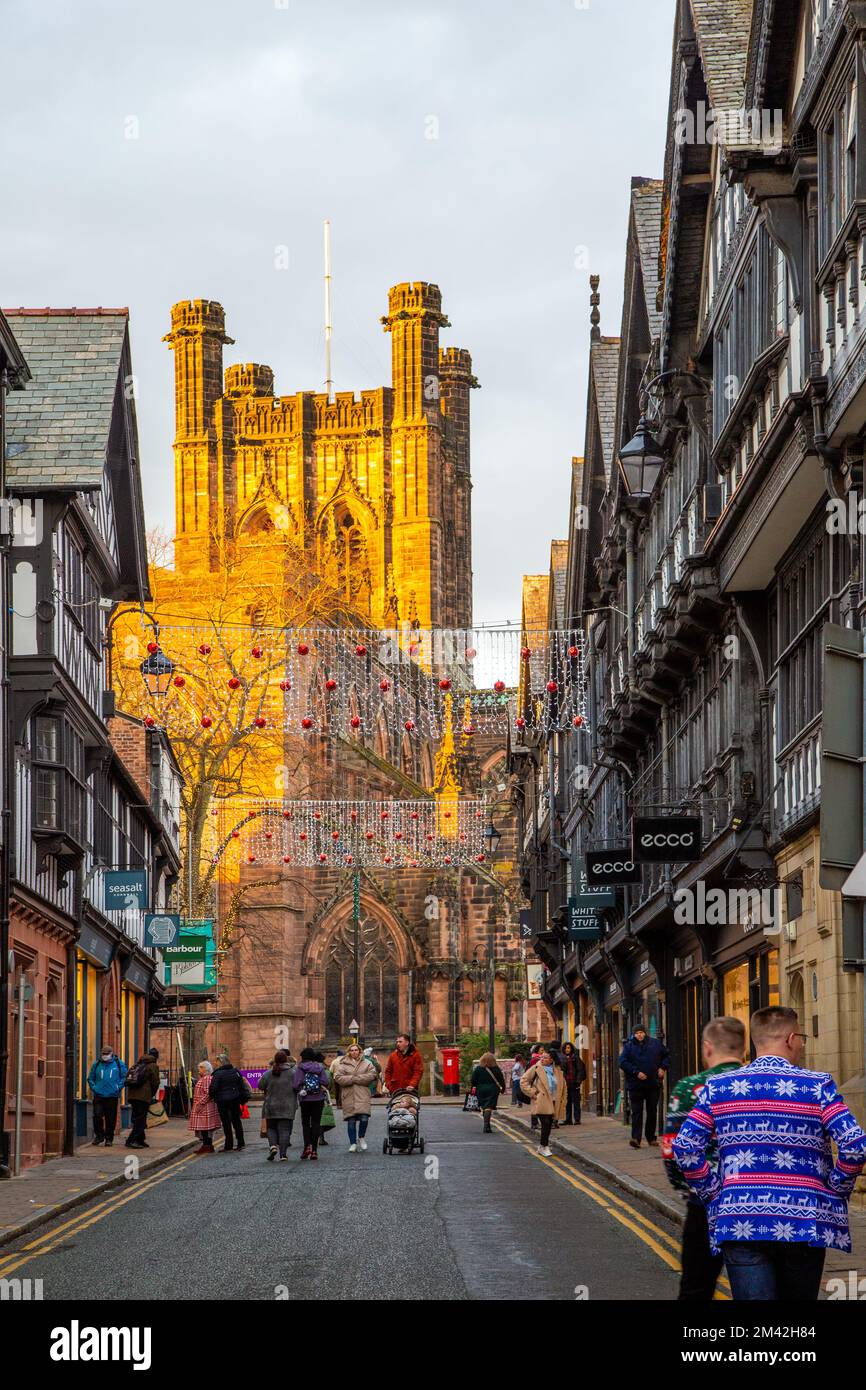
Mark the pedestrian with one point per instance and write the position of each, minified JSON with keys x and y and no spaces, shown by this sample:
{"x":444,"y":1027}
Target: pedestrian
{"x":142,"y":1084}
{"x":354,"y":1073}
{"x":643,"y":1061}
{"x":229,"y":1091}
{"x":488,"y":1083}
{"x":280,"y":1104}
{"x":404,"y":1067}
{"x":376,"y":1084}
{"x":517,"y":1071}
{"x":106,"y":1080}
{"x":310,"y":1081}
{"x":544,"y":1084}
{"x":534,"y":1056}
{"x":204,"y":1117}
{"x":778,"y":1201}
{"x":722,"y":1045}
{"x":574,"y":1071}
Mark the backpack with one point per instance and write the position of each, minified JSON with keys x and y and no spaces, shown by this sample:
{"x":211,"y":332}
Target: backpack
{"x":312,"y":1084}
{"x":137,"y":1075}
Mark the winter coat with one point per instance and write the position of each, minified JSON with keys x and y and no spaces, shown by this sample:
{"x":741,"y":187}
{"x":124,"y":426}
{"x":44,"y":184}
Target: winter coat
{"x":573,"y":1068}
{"x":204,"y":1114}
{"x":404,"y":1070}
{"x":647,"y":1057}
{"x":354,"y":1080}
{"x":488,"y":1086}
{"x":534,"y":1085}
{"x":149,"y":1086}
{"x":281,"y":1098}
{"x":107,"y":1078}
{"x":315,"y":1069}
{"x":227,"y":1085}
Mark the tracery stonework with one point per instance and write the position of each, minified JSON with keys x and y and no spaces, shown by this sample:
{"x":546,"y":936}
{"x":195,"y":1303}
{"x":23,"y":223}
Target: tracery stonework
{"x":374,"y":492}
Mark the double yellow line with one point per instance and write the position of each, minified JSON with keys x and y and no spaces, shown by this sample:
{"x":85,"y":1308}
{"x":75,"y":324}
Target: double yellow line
{"x":659,"y":1241}
{"x":50,"y":1240}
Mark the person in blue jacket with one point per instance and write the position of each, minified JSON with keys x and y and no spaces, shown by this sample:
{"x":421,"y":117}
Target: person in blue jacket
{"x":106,"y":1080}
{"x":643,"y":1061}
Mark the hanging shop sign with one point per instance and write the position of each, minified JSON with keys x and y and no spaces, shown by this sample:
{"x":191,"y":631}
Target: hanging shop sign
{"x":601,"y":897}
{"x":161,"y":929}
{"x":605,"y":867}
{"x":666,"y":839}
{"x":92,"y":943}
{"x":188,"y":948}
{"x":124,"y":888}
{"x":525,"y":924}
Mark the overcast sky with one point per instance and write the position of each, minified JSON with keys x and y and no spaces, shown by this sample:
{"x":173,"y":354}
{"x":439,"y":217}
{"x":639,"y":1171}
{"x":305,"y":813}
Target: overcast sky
{"x":253,"y":121}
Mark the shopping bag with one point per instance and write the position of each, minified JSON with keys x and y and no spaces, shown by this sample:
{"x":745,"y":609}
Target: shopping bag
{"x":245,"y":1112}
{"x":471,"y":1101}
{"x":327,"y":1121}
{"x":156,"y":1114}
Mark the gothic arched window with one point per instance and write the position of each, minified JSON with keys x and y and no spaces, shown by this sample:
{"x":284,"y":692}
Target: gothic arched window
{"x":378,"y":975}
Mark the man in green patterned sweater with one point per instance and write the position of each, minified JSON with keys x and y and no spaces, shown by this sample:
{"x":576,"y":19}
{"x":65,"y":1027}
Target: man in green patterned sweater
{"x":722,"y":1045}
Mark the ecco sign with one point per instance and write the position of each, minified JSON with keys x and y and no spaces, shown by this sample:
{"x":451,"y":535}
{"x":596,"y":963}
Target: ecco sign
{"x":666,"y":839}
{"x":608,"y":866}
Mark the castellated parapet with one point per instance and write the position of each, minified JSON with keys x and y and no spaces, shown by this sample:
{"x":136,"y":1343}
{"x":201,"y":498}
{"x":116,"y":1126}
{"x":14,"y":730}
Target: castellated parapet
{"x":376,"y":483}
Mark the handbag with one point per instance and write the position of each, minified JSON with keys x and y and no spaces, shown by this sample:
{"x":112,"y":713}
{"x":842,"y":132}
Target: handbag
{"x":501,"y":1089}
{"x":263,"y":1128}
{"x":156,"y":1114}
{"x":327,"y":1121}
{"x":471,"y":1101}
{"x":245,"y":1111}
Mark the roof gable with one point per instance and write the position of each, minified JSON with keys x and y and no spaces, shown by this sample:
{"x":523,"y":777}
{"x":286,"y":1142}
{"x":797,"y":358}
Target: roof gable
{"x":722,"y":30}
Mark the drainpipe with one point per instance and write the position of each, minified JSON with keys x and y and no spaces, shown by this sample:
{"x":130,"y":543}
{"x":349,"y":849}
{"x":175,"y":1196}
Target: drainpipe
{"x":630,"y":572}
{"x":7,"y":735}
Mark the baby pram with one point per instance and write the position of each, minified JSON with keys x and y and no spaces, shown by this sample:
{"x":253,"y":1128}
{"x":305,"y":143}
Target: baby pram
{"x":402,"y":1120}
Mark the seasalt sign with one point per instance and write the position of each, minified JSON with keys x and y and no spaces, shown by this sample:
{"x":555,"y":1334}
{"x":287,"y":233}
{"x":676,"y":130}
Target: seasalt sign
{"x":666,"y":839}
{"x":607,"y":866}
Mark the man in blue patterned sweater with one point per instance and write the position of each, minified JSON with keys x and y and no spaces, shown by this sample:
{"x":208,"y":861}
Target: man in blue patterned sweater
{"x":777,"y":1201}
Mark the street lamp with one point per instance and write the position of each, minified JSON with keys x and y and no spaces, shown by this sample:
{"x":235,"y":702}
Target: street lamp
{"x":491,"y":839}
{"x":641,"y":461}
{"x":491,"y":843}
{"x":156,"y":672}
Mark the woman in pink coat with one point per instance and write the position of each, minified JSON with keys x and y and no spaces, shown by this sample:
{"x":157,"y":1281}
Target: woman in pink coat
{"x":204,"y":1117}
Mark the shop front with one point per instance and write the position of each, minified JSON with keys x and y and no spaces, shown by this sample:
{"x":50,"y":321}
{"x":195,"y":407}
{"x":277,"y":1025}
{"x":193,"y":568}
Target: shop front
{"x":747,"y":970}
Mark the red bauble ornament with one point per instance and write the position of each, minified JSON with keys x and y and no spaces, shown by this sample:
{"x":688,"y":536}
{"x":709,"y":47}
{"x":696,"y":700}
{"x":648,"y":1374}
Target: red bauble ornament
{"x":384,"y":685}
{"x":355,"y":722}
{"x":269,"y":834}
{"x":409,"y":725}
{"x":251,"y":859}
{"x":499,"y":686}
{"x":306,"y":723}
{"x":317,"y":815}
{"x":206,"y":721}
{"x":479,"y":858}
{"x":348,"y":858}
{"x":369,"y":834}
{"x":414,"y":864}
{"x":335,"y":834}
{"x":233,"y":682}
{"x":153,"y":647}
{"x":447,"y":859}
{"x":287,"y":815}
{"x":387,"y":859}
{"x":414,"y":815}
{"x":236,"y":834}
{"x":429,"y":837}
{"x":552,"y":687}
{"x":526,"y":653}
{"x":360,"y":650}
{"x":444,"y":685}
{"x":285,"y":685}
{"x":303,"y":649}
{"x":330,"y":684}
{"x":520,"y":722}
{"x":471,"y":653}
{"x":323,"y":858}
{"x":353,"y":815}
{"x":287,"y":859}
{"x":257,"y":651}
{"x":447,"y":815}
{"x":179,"y":682}
{"x":149,"y":721}
{"x":573,"y":652}
{"x":303,"y":835}
{"x":260,"y":721}
{"x":577,"y":720}
{"x":384,"y":815}
{"x":398,"y":834}
{"x":204,"y":649}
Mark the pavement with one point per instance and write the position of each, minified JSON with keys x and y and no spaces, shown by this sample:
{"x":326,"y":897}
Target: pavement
{"x":476,"y":1217}
{"x":600,"y":1144}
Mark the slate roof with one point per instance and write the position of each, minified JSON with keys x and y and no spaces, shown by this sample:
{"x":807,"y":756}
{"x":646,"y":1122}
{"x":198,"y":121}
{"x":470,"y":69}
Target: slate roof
{"x":604,"y":365}
{"x":722,"y":30}
{"x":63,"y":418}
{"x":646,"y":201}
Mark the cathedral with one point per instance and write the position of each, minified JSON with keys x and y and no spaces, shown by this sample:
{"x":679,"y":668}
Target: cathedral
{"x":374,"y":492}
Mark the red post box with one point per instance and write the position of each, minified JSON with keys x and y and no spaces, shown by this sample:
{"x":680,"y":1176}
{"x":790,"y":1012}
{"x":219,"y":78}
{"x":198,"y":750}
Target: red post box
{"x":451,"y":1070}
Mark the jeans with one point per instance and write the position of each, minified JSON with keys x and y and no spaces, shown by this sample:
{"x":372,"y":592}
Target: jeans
{"x":546,"y":1125}
{"x":516,"y":1093}
{"x":769,"y":1271}
{"x":280,"y":1134}
{"x":230,"y":1114}
{"x":701,"y":1268}
{"x":139,"y":1121}
{"x":572,"y":1104}
{"x":311,"y":1117}
{"x":357,"y":1127}
{"x":104,"y":1116}
{"x":644,"y":1093}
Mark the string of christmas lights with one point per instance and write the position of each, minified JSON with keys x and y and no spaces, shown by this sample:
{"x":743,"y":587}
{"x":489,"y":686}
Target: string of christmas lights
{"x":312,"y":834}
{"x":351,"y":683}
